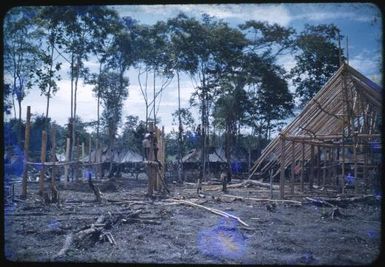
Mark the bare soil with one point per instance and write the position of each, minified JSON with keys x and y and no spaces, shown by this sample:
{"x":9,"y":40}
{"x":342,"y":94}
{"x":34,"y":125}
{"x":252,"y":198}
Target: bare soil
{"x":165,"y":232}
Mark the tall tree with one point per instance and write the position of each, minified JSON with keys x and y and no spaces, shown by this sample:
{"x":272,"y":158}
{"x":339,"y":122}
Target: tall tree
{"x":113,"y":91}
{"x":270,"y":99}
{"x":181,"y":60}
{"x":153,"y":50}
{"x":20,"y":51}
{"x":49,"y":21}
{"x":317,"y":59}
{"x":106,"y":25}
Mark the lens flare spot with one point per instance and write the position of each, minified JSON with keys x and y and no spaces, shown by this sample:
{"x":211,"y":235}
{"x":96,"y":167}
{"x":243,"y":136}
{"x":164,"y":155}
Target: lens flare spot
{"x":223,"y":240}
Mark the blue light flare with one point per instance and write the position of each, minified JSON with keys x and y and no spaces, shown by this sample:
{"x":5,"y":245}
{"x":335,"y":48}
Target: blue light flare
{"x":223,"y":240}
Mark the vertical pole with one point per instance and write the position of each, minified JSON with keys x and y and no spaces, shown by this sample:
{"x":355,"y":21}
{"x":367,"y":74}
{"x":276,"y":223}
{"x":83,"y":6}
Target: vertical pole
{"x":282,"y":170}
{"x":318,"y":165}
{"x":355,"y":162}
{"x":271,"y":183}
{"x":150,"y":168}
{"x":26,"y":148}
{"x":345,"y":119}
{"x":292,"y":167}
{"x":365,"y":150}
{"x":342,"y":183}
{"x":66,"y":167}
{"x":53,"y":159}
{"x":77,"y":159}
{"x":42,"y":159}
{"x":89,"y":149}
{"x":324,"y":165}
{"x":311,"y":175}
{"x":83,"y":151}
{"x":156,"y":169}
{"x":302,"y":166}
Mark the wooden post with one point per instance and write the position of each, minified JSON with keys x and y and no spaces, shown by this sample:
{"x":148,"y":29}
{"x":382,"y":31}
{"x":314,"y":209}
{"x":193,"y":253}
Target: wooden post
{"x":318,"y":165}
{"x":66,"y":167}
{"x":53,"y":159}
{"x":365,"y":150}
{"x":149,"y":167}
{"x":42,"y":159}
{"x":282,"y":170}
{"x":342,"y":181}
{"x":89,"y":149}
{"x":326,"y":158}
{"x":83,"y":151}
{"x":292,"y":168}
{"x":77,"y":159}
{"x":302,"y":166}
{"x":26,"y":149}
{"x":162,"y":157}
{"x":311,"y":175}
{"x":355,"y":162}
{"x":271,"y":183}
{"x":155,"y":173}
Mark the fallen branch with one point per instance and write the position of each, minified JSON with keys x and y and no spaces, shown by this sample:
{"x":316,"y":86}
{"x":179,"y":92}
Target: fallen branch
{"x":319,"y":201}
{"x":265,"y":199}
{"x":79,"y":236}
{"x":142,"y":220}
{"x":334,"y":212}
{"x":348,"y":199}
{"x":245,"y":183}
{"x":216,"y":211}
{"x":66,"y":246}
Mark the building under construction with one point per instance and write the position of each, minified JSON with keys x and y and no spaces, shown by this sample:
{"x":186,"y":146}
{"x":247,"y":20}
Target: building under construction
{"x":334,"y":144}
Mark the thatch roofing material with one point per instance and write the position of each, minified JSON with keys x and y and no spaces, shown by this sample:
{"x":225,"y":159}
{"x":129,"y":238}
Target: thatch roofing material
{"x":121,"y":157}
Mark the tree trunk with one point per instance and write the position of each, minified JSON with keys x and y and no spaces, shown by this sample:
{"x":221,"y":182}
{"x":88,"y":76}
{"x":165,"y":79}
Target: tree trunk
{"x":13,"y":104}
{"x":49,"y":85}
{"x":154,"y":102}
{"x":74,"y":112}
{"x":19,"y":103}
{"x":26,"y":149}
{"x":180,"y":164}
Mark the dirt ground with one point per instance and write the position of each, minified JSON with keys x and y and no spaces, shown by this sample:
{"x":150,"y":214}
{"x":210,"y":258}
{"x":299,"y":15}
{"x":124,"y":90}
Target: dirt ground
{"x":161,"y":231}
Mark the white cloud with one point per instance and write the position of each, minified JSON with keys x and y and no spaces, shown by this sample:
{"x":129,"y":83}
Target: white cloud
{"x":368,"y":64}
{"x":332,"y":11}
{"x":273,"y":13}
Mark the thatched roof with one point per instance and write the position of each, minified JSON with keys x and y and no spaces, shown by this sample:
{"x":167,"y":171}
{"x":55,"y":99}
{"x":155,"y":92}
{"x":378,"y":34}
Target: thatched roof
{"x":217,"y":155}
{"x":347,"y":96}
{"x":118,"y":156}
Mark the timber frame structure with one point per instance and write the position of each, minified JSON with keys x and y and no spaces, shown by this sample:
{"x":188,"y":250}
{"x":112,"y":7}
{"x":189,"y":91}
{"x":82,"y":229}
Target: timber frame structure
{"x":335,"y":141}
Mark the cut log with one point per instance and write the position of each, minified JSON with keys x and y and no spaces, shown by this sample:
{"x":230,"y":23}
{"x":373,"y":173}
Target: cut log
{"x":67,"y":243}
{"x":265,"y":199}
{"x":245,"y":183}
{"x":319,"y":201}
{"x":96,"y":190}
{"x":216,"y":211}
{"x":346,"y":199}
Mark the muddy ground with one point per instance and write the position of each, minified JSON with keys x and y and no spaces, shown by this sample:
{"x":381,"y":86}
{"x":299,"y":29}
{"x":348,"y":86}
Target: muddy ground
{"x":161,"y":231}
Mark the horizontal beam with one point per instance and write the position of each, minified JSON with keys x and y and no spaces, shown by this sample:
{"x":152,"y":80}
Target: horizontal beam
{"x":326,"y":137}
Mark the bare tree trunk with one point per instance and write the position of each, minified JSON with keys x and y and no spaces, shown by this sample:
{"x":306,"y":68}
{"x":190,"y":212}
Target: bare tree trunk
{"x":19,"y":103}
{"x":97,"y":168}
{"x":180,"y":164}
{"x":74,"y":112}
{"x":14,"y":106}
{"x":49,"y":85}
{"x":154,"y":102}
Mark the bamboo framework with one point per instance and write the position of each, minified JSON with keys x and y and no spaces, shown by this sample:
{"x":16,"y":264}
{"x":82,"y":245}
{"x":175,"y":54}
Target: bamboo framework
{"x":335,"y":131}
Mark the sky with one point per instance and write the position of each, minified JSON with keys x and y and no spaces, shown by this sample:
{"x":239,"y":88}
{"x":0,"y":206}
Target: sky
{"x":361,"y":23}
